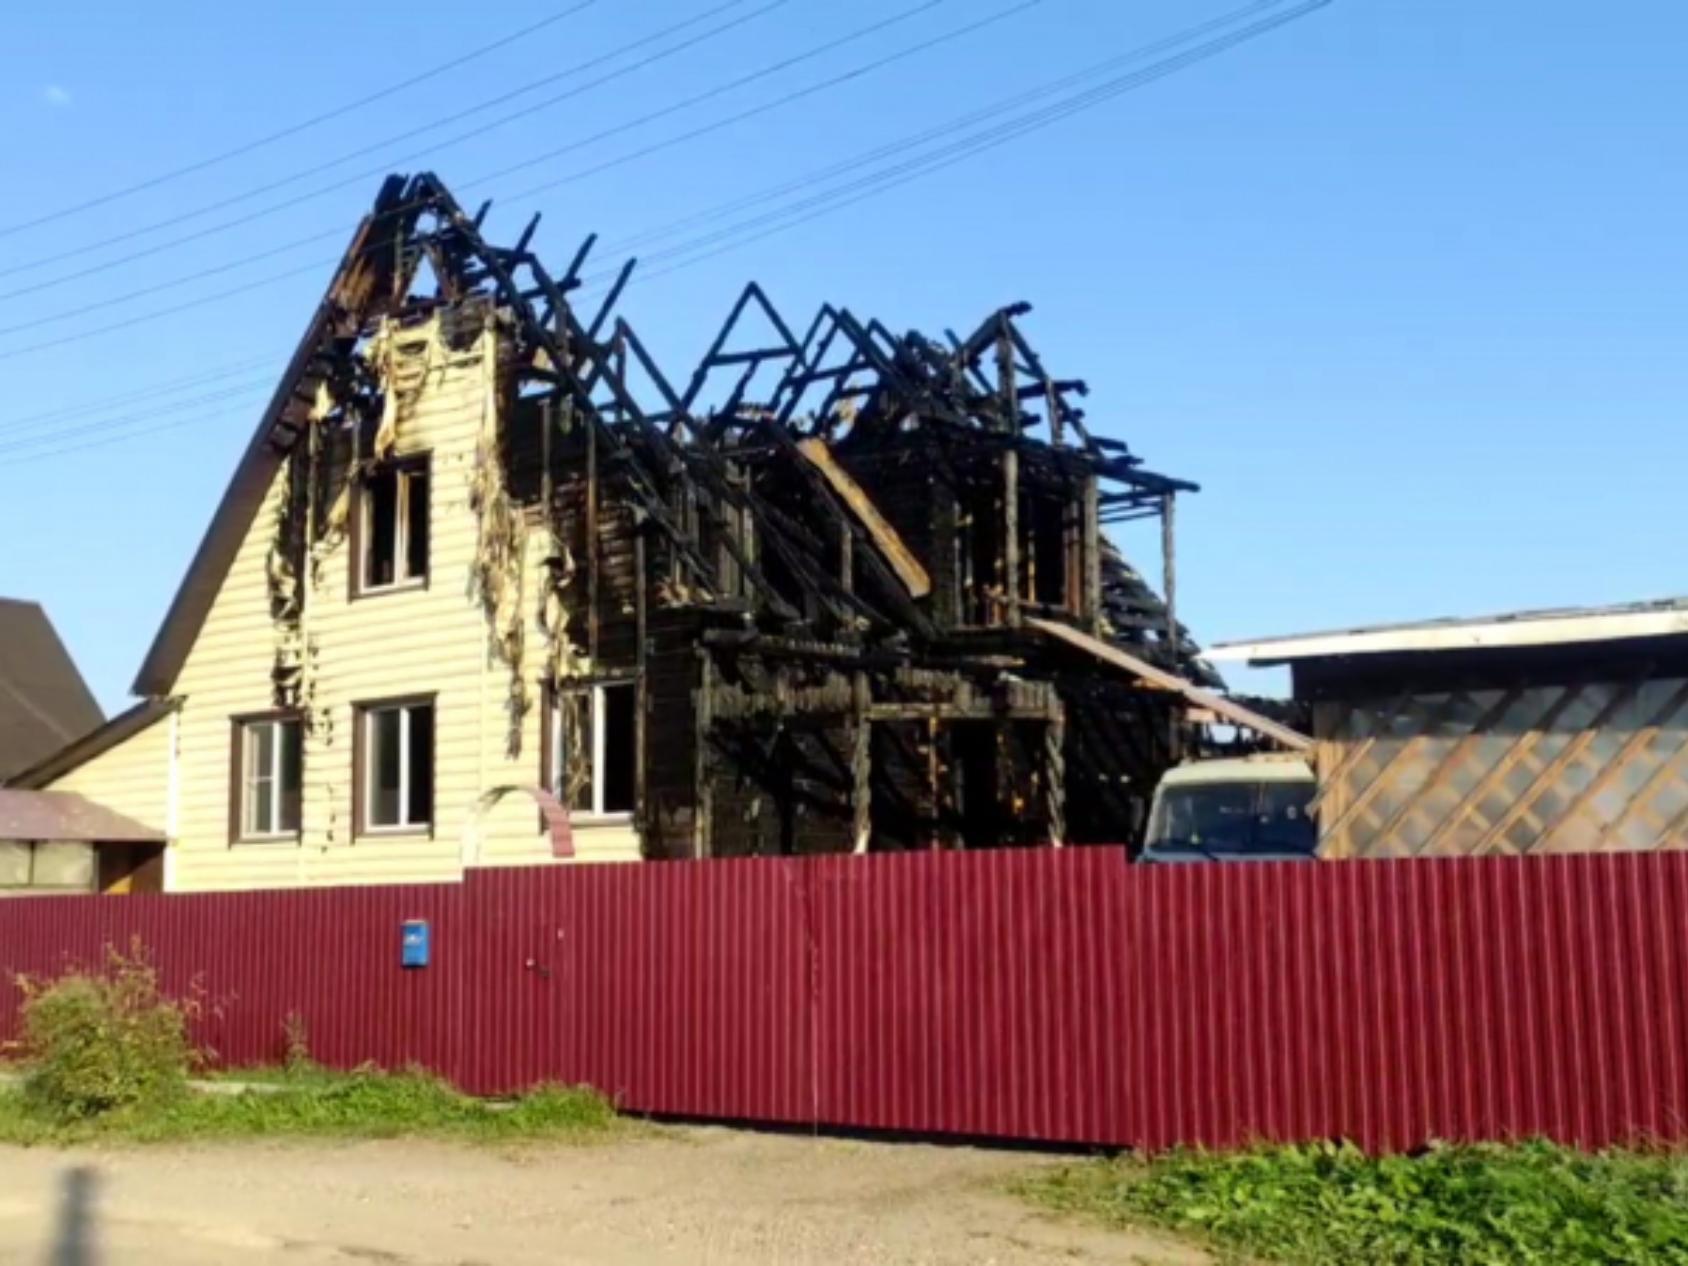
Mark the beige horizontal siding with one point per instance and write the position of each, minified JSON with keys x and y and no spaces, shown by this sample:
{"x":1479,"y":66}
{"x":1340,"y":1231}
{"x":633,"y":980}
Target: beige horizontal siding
{"x":422,"y":641}
{"x":132,"y":778}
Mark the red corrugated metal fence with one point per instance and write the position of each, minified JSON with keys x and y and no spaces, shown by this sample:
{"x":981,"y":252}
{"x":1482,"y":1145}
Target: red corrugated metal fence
{"x":1038,"y":994}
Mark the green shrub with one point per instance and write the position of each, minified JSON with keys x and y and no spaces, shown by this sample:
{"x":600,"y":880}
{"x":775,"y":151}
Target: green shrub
{"x":1329,"y":1205}
{"x":99,"y":1041}
{"x":297,"y":1044}
{"x":321,"y":1103}
{"x":370,"y":1103}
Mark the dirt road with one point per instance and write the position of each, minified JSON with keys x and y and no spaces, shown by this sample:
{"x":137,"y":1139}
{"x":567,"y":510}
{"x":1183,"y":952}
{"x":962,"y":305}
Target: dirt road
{"x":705,"y":1197}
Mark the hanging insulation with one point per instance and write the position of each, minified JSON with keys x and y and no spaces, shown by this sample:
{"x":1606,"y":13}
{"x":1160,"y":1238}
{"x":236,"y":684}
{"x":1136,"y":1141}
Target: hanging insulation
{"x":498,"y":541}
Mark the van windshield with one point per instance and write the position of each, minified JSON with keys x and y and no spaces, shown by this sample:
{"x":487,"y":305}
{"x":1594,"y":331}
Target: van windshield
{"x":1221,"y":818}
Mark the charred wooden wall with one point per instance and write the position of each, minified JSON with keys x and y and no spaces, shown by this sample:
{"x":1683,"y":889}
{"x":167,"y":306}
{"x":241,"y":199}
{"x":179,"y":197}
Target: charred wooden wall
{"x":778,"y":772}
{"x":1118,"y":745}
{"x":671,"y":680}
{"x":913,"y":491}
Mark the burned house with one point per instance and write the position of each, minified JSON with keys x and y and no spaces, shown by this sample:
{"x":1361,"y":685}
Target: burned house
{"x":835,"y":589}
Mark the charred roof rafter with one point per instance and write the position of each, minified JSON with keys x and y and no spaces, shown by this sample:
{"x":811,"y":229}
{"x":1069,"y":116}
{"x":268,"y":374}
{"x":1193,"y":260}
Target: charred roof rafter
{"x":846,"y":381}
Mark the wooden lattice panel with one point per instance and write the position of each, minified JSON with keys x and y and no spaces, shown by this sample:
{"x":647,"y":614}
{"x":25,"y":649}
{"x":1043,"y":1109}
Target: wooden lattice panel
{"x":1532,"y":769}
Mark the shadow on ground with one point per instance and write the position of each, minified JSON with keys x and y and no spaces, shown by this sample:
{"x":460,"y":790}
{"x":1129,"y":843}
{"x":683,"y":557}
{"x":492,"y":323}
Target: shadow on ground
{"x":73,"y":1229}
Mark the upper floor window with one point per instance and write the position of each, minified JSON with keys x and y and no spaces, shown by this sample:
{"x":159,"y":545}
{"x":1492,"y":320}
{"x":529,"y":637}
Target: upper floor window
{"x":393,"y":527}
{"x":397,"y":765}
{"x":270,"y":765}
{"x":593,"y":749}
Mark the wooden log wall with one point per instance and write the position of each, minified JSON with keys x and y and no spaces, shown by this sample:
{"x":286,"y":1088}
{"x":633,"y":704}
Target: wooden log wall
{"x":671,"y":684}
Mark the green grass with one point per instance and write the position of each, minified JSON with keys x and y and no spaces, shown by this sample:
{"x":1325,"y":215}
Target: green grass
{"x":1532,"y":1204}
{"x":316,"y":1103}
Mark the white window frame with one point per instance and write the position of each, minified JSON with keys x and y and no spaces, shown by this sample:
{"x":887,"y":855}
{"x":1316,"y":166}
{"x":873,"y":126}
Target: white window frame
{"x":403,"y":474}
{"x":250,"y":830}
{"x":595,"y":714}
{"x":404,"y":826}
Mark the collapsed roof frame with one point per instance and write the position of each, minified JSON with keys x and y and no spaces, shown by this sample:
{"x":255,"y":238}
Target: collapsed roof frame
{"x":847,"y":382}
{"x":843,"y":382}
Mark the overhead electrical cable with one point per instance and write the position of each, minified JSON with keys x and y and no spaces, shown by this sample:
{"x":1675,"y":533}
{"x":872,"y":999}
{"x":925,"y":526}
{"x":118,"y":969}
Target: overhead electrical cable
{"x":855,"y":73}
{"x":11,"y":445}
{"x":294,"y":129}
{"x":828,"y":202}
{"x":777,"y":103}
{"x":718,"y":242}
{"x":168,"y":387}
{"x":902,"y":144}
{"x":194,"y":214}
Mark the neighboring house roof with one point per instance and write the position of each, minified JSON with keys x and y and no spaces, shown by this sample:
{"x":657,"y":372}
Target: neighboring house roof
{"x":1666,"y":617}
{"x":44,"y":703}
{"x":64,"y":815}
{"x":82,"y":750}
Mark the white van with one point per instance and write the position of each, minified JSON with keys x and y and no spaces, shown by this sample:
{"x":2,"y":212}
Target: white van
{"x":1238,"y":809}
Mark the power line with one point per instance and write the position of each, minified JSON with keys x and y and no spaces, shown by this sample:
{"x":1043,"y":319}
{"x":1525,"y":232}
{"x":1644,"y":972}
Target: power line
{"x":102,"y":441}
{"x":152,"y":182}
{"x":902,"y":144}
{"x":175,"y":283}
{"x":165,"y":388}
{"x":786,"y":98}
{"x":156,"y":313}
{"x":767,"y":106}
{"x":829,"y":201}
{"x":196,"y":213}
{"x":24,"y":443}
{"x":899,"y":146}
{"x":764,"y":72}
{"x":809,"y":90}
{"x":117,"y":435}
{"x":48,"y":428}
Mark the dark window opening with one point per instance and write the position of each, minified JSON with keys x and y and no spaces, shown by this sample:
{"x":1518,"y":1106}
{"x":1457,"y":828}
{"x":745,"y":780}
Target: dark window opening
{"x":395,"y":527}
{"x":419,"y":786}
{"x":975,"y":759}
{"x":1044,"y":550}
{"x":619,"y":747}
{"x":595,"y":749}
{"x":398,"y":766}
{"x":979,"y":539}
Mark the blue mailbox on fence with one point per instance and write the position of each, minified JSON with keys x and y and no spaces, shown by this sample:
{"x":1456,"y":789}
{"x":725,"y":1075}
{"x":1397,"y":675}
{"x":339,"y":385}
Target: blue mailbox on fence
{"x":414,"y":943}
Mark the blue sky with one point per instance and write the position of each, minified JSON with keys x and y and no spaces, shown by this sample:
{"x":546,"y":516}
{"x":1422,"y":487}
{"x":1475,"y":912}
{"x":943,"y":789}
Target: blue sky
{"x":1401,"y":284}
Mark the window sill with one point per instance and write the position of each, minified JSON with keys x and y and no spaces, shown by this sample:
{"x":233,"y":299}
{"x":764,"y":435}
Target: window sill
{"x":421,"y":832}
{"x":260,"y":841}
{"x":417,"y":585}
{"x":588,"y":821}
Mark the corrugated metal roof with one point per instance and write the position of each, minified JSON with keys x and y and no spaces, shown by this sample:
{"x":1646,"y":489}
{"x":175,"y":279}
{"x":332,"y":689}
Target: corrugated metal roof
{"x":64,"y":815}
{"x":1664,"y":617}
